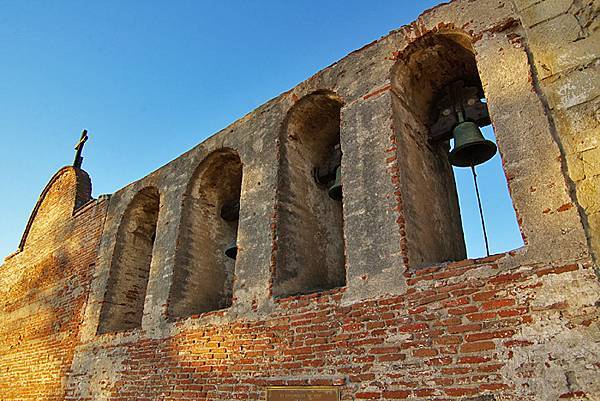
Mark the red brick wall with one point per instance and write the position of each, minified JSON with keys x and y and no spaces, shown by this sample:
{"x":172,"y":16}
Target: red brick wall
{"x":43,"y":290}
{"x":451,"y":336}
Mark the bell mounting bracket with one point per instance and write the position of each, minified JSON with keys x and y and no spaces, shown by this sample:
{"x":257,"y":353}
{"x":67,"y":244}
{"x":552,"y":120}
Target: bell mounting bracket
{"x":458,"y":103}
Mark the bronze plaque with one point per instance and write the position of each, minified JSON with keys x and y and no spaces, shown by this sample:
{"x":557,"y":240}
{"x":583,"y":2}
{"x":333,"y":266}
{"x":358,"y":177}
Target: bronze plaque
{"x":303,"y":393}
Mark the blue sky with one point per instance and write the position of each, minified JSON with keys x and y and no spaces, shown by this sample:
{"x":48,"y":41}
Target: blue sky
{"x":150,"y":80}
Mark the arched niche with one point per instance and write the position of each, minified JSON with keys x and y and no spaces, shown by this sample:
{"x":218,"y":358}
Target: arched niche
{"x":419,"y":79}
{"x":310,"y":240}
{"x":123,"y":304}
{"x":427,"y":66}
{"x":203,"y":274}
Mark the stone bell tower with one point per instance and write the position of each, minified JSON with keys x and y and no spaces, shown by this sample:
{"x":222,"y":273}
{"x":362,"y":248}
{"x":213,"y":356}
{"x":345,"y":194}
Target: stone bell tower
{"x":349,"y":278}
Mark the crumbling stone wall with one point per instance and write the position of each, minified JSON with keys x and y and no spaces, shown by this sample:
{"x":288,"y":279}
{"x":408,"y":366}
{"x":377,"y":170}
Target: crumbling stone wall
{"x":563,"y":37}
{"x":126,"y":290}
{"x":410,"y":320}
{"x":203,"y":279}
{"x":310,"y":246}
{"x":432,"y":215}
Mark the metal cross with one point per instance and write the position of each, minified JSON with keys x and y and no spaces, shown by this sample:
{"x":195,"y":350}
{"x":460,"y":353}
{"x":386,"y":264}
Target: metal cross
{"x":79,"y":148}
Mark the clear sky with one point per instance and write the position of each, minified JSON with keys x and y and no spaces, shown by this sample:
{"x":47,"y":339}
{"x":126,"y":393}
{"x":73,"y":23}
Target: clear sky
{"x":151,"y":79}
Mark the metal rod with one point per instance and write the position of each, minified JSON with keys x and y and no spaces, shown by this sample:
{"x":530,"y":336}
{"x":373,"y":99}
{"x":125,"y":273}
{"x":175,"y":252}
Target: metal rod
{"x":487,"y":247}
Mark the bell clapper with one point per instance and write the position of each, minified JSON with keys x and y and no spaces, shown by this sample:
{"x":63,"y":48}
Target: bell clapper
{"x":485,"y":238}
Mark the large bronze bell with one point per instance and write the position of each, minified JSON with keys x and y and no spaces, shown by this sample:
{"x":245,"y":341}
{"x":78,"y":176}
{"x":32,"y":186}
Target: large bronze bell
{"x":231,"y":250}
{"x":470,"y":147}
{"x":335,"y":190}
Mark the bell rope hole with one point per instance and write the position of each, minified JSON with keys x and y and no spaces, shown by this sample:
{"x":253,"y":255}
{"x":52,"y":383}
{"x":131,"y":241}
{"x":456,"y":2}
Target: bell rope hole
{"x":203,"y":274}
{"x":310,"y":247}
{"x":432,"y":212}
{"x":123,"y":304}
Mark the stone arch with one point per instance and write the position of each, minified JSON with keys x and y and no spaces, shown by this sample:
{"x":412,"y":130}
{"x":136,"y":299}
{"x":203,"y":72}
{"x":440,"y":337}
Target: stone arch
{"x":123,"y":304}
{"x":310,"y":239}
{"x":203,"y":274}
{"x":429,"y":64}
{"x":430,"y":203}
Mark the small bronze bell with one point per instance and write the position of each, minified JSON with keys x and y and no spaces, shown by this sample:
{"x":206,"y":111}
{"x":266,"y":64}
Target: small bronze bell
{"x":335,"y":190}
{"x":470,"y":147}
{"x":230,"y":211}
{"x":231,"y":250}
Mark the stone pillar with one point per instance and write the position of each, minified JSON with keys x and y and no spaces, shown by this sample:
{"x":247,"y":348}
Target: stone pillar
{"x":563,"y":38}
{"x":548,"y":218}
{"x":372,"y":224}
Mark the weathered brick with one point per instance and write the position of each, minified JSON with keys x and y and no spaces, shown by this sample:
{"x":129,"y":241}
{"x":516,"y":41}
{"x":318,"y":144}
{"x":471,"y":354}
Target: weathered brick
{"x":489,"y":335}
{"x":396,"y":395}
{"x":425,"y":352}
{"x":464,"y":328}
{"x":498,"y":303}
{"x":477,"y":346}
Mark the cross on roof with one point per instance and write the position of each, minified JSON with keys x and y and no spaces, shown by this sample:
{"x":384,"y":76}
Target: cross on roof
{"x":79,"y":149}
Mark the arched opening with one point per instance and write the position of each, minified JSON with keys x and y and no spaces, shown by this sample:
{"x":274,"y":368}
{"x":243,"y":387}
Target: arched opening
{"x":123,"y":304}
{"x":203,"y":275}
{"x":310,"y":240}
{"x":500,"y":218}
{"x":431,"y":74}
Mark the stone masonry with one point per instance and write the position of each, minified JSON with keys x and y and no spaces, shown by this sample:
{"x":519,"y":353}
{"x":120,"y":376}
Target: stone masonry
{"x":130,"y":297}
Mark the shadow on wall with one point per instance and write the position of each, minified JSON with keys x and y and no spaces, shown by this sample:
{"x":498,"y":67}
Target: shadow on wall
{"x":29,"y":315}
{"x":202,"y":282}
{"x":433,"y":226}
{"x":40,"y":286}
{"x":310,"y":239}
{"x":123,"y":304}
{"x":203,"y":276}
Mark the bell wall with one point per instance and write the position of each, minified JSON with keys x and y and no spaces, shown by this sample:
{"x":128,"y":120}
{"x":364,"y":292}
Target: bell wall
{"x":383,"y":305}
